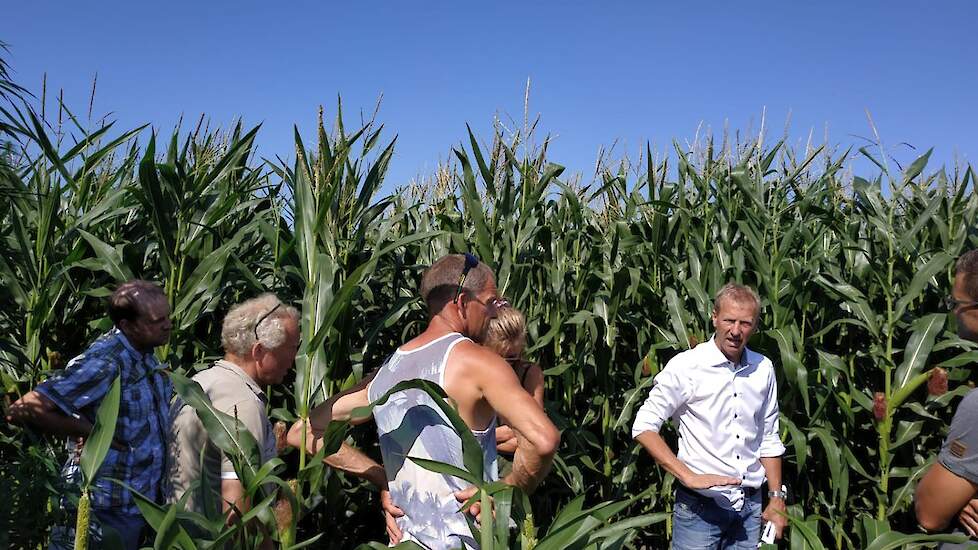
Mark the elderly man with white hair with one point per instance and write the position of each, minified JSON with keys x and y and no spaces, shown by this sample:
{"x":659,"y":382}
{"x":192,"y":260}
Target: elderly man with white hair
{"x":260,"y":338}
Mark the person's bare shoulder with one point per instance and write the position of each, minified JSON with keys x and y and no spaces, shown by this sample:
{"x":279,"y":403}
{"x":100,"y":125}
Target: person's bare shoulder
{"x":478,"y":363}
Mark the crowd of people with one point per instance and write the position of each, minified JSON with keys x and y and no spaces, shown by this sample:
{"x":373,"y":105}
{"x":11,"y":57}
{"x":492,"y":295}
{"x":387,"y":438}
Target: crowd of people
{"x":720,"y":396}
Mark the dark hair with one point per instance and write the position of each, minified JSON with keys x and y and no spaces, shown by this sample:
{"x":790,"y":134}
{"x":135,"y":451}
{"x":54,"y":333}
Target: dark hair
{"x":968,"y":266}
{"x":440,"y":281}
{"x":126,"y":302}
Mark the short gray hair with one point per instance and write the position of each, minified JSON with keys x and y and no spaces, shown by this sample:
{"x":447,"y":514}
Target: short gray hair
{"x":440,"y":281}
{"x":238,"y":330}
{"x":739,"y":294}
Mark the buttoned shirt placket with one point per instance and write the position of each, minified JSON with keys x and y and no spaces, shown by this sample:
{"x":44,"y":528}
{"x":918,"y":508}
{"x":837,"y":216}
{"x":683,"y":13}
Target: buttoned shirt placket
{"x":730,"y":404}
{"x":735,"y":370}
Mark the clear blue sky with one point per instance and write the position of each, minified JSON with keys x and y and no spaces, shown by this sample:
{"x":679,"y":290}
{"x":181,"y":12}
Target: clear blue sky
{"x":600,"y":71}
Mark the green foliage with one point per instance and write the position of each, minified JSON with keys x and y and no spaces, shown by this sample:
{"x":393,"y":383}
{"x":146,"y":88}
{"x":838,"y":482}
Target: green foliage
{"x":615,"y":276}
{"x":93,"y":454}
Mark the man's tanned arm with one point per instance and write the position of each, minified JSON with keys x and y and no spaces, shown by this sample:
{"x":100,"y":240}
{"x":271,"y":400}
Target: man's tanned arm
{"x":776,"y":507}
{"x":37,"y":411}
{"x":506,"y":439}
{"x":659,"y":450}
{"x":348,"y":458}
{"x":537,"y":437}
{"x":939,"y":497}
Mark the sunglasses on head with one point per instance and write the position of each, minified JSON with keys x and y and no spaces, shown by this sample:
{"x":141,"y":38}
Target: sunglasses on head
{"x":470,"y":262}
{"x":265,"y":316}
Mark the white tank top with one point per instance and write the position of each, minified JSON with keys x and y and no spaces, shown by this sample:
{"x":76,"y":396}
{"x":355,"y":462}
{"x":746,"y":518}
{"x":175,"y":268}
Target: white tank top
{"x":411,"y":424}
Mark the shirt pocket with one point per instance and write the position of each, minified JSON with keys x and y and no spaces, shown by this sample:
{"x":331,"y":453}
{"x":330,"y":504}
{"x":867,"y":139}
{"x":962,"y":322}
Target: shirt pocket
{"x":135,"y":413}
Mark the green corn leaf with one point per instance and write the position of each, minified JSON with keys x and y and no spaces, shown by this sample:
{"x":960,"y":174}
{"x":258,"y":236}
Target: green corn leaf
{"x":443,"y":468}
{"x":474,"y":209}
{"x":98,"y":443}
{"x":917,"y":167}
{"x":922,"y":276}
{"x":406,"y":545}
{"x":893,"y":539}
{"x":678,"y":318}
{"x":168,"y":531}
{"x":226,"y":432}
{"x":807,"y":529}
{"x":155,"y":515}
{"x":110,"y":257}
{"x":904,"y":494}
{"x":793,"y":367}
{"x":915,"y":354}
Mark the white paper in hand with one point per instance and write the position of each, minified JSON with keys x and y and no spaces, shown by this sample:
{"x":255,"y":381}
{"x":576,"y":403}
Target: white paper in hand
{"x":767,"y":537}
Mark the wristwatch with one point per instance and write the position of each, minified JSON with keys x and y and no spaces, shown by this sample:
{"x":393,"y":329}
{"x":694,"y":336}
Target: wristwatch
{"x":778,"y":494}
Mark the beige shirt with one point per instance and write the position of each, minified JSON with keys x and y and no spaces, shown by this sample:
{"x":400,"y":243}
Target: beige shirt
{"x":233,"y":392}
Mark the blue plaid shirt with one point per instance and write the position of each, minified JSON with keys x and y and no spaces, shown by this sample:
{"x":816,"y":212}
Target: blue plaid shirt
{"x":142,"y":424}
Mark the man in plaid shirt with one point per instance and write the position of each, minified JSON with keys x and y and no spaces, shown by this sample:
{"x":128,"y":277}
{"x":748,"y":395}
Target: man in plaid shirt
{"x":66,"y":404}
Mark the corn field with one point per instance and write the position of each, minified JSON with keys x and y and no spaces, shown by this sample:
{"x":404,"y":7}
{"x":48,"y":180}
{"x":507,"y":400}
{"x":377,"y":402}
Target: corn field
{"x":615,"y":276}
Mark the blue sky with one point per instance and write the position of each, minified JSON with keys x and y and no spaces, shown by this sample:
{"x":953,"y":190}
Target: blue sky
{"x":600,"y":72}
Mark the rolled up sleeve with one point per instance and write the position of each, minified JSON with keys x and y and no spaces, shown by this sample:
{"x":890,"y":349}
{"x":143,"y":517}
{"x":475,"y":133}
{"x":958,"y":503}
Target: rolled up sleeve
{"x":83,"y":382}
{"x":669,"y":392}
{"x":771,"y":445}
{"x":959,"y":454}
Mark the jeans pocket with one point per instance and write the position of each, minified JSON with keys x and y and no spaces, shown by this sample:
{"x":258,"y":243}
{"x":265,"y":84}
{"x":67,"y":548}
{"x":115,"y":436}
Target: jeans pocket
{"x":688,"y":509}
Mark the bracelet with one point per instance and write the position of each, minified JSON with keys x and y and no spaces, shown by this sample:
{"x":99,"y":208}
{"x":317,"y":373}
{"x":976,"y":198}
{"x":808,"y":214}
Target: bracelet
{"x":777,"y":494}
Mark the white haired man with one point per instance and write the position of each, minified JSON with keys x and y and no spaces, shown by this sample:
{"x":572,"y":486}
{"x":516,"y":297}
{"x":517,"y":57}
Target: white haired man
{"x":260,"y":338}
{"x":723,"y":399}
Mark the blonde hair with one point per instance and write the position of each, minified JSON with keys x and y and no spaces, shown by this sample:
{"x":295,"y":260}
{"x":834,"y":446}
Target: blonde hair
{"x":506,"y":334}
{"x":739,"y":294}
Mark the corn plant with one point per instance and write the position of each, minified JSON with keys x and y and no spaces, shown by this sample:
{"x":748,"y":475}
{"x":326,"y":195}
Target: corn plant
{"x":93,"y":454}
{"x":614,"y":270}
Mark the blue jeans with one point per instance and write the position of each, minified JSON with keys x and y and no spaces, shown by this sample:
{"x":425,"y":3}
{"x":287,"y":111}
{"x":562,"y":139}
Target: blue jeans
{"x":699,"y":523}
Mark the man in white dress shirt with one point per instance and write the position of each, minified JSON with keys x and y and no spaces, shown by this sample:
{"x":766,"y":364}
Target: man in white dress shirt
{"x":723,"y":399}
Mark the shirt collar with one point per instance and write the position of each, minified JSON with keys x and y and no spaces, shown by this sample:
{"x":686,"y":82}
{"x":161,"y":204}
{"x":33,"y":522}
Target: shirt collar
{"x":252,"y":385}
{"x":715,"y":357}
{"x":128,"y":345}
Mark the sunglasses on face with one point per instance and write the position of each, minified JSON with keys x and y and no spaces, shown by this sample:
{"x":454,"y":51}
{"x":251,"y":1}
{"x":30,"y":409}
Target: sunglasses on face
{"x":951,"y":304}
{"x":494,"y":305}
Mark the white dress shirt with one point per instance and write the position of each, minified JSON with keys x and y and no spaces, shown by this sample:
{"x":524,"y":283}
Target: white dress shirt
{"x":727,"y":415}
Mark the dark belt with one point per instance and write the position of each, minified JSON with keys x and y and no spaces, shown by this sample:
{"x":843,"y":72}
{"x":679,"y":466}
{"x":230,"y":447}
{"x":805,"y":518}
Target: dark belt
{"x":749,"y":493}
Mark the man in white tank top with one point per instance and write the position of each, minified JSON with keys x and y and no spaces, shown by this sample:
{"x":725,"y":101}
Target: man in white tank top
{"x":460,"y":295}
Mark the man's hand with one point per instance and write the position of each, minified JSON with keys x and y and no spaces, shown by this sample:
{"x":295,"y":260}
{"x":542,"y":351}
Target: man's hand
{"x":391,"y":512}
{"x":705,"y":481}
{"x":38,"y":412}
{"x":476,"y":509}
{"x":25,"y":409}
{"x":968,"y":517}
{"x":775,"y":513}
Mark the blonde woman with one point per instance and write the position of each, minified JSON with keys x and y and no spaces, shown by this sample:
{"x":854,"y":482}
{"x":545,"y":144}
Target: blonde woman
{"x":506,"y":335}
